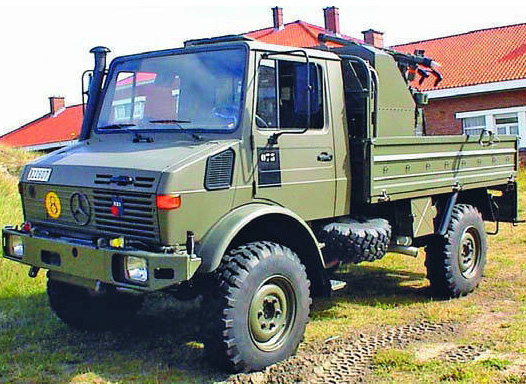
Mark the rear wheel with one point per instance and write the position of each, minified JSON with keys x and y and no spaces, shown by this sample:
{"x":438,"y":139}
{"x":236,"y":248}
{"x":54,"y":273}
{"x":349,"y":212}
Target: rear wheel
{"x":259,"y":307}
{"x":455,"y":262}
{"x":82,"y":308}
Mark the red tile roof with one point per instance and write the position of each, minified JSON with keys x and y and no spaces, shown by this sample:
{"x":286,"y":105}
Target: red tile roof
{"x":477,"y":57}
{"x":295,"y":34}
{"x":48,"y":129}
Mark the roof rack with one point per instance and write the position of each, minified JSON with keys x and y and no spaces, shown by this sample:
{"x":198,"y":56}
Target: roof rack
{"x":215,"y":40}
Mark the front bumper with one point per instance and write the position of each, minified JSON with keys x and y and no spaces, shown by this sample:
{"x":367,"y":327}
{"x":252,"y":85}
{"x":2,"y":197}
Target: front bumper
{"x":83,"y":264}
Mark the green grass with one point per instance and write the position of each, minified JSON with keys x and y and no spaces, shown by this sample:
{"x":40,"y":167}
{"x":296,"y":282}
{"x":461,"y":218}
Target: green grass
{"x":163,"y":344}
{"x":13,"y":160}
{"x":406,"y":366}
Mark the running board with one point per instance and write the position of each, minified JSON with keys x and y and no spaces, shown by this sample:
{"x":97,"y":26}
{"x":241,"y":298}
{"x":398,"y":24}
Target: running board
{"x":336,"y":285}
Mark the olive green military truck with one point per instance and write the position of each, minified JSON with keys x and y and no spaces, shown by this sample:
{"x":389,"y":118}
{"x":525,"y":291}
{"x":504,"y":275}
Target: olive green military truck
{"x":247,"y":173}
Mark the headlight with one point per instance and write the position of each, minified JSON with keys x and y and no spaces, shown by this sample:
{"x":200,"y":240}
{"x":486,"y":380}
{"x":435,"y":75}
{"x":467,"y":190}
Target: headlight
{"x":15,"y":246}
{"x":136,"y":269}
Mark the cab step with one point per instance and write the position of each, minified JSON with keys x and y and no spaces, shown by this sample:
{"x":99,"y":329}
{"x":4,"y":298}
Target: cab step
{"x":337,"y":285}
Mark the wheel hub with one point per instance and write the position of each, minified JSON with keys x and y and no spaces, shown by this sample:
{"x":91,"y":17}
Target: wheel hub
{"x":469,"y":253}
{"x":271,"y":312}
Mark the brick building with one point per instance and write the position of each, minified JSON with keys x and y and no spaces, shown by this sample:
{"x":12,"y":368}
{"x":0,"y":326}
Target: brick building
{"x":484,"y":84}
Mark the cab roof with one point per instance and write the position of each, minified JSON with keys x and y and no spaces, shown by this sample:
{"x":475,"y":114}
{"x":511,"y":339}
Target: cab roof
{"x":255,"y":45}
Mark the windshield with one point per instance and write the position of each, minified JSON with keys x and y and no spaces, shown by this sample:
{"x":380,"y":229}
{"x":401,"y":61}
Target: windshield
{"x":192,"y":91}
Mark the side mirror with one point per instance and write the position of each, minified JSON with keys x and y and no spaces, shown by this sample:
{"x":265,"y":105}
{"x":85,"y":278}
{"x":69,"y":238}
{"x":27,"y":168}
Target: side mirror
{"x":271,"y":82}
{"x":86,"y":79}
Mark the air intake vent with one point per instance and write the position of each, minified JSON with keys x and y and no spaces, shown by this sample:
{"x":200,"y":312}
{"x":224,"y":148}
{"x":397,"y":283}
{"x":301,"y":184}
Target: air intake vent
{"x":219,"y":169}
{"x":139,"y":181}
{"x":102,"y":179}
{"x":143,"y":182}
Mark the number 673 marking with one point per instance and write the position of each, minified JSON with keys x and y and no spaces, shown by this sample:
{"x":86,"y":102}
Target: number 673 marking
{"x":267,"y":157}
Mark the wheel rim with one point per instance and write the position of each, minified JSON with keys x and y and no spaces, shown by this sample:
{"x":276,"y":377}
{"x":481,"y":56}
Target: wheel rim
{"x":469,"y":255}
{"x":272,"y":310}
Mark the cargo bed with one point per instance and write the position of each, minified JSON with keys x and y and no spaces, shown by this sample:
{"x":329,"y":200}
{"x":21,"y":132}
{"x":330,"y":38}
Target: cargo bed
{"x":406,"y":167}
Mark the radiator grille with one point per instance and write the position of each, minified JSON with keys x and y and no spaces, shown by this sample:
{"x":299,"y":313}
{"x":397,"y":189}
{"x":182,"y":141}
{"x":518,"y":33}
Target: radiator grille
{"x":219,"y":169}
{"x":138,"y":214}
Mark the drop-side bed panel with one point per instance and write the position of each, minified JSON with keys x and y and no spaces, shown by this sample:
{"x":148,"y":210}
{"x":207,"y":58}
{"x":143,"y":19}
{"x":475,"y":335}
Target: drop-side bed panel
{"x":406,"y":167}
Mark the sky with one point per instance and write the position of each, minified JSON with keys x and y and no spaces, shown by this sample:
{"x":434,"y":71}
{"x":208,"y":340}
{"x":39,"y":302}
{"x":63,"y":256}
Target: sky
{"x":45,"y":48}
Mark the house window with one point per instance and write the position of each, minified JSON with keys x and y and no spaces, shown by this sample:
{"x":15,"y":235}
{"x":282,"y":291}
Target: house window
{"x":123,"y":108}
{"x":473,"y":125}
{"x":507,"y":124}
{"x":501,"y":121}
{"x":283,"y":95}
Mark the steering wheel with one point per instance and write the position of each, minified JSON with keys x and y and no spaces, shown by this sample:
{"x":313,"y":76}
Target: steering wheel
{"x":227,"y":113}
{"x":261,"y":122}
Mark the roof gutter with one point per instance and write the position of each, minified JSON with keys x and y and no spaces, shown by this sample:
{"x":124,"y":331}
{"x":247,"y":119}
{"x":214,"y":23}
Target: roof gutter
{"x":47,"y":146}
{"x":478,"y":88}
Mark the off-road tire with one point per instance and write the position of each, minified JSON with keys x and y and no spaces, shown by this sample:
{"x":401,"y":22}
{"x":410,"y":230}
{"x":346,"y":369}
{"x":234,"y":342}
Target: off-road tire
{"x":253,"y":283}
{"x":356,"y":240}
{"x":455,"y":262}
{"x":81,"y":308}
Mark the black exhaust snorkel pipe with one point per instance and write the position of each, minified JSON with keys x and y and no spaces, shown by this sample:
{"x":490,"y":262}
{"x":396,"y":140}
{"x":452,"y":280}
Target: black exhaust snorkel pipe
{"x":94,"y":91}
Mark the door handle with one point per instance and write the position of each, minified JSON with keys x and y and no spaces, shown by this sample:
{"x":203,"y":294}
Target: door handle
{"x":324,"y":156}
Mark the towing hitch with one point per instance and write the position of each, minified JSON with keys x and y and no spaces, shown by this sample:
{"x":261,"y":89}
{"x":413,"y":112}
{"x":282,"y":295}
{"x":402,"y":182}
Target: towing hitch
{"x":33,"y":272}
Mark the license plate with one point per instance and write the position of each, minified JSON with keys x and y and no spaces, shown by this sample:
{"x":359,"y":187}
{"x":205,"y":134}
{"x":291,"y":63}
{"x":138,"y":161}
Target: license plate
{"x":39,"y":174}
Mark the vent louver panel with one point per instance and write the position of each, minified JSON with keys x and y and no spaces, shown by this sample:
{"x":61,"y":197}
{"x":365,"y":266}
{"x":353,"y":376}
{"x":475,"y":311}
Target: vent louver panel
{"x":219,"y":170}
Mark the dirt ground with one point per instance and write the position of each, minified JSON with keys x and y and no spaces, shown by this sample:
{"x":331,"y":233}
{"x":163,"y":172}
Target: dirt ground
{"x":351,"y":359}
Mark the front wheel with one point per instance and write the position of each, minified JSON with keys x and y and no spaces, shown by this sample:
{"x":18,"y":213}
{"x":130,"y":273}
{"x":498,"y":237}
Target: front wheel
{"x":455,"y":263}
{"x":82,"y":308}
{"x":259,"y":307}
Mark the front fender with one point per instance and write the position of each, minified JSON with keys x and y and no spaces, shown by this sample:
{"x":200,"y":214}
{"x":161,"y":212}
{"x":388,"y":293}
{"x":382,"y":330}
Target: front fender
{"x":218,"y":239}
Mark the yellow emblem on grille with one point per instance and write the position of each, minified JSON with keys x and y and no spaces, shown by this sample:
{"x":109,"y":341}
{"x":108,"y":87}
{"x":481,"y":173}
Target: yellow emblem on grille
{"x":117,"y":242}
{"x":52,"y":203}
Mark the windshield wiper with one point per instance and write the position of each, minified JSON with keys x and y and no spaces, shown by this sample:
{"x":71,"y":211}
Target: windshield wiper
{"x":173,"y":121}
{"x":178,"y":124}
{"x":117,"y":126}
{"x":137,"y":137}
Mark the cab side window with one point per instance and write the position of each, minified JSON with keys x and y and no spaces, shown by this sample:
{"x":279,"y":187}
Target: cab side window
{"x":282,"y":99}
{"x":266,"y":110}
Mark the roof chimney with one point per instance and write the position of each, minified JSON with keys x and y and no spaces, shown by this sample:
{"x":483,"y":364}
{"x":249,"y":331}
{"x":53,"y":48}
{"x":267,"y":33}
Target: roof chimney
{"x":277,"y":16}
{"x":57,"y":104}
{"x":374,"y":38}
{"x":332,"y":19}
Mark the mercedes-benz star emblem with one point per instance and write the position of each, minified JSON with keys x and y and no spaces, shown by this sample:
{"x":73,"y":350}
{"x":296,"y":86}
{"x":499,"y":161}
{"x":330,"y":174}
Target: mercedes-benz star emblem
{"x":80,"y":208}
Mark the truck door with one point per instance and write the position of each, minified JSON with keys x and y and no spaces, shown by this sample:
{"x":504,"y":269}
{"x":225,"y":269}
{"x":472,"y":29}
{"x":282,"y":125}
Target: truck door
{"x":294,"y":156}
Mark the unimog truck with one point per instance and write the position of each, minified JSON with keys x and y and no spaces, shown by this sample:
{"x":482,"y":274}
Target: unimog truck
{"x":247,"y":173}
